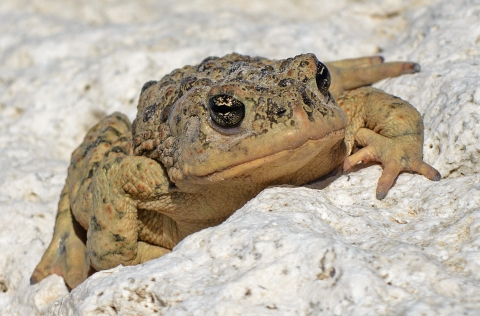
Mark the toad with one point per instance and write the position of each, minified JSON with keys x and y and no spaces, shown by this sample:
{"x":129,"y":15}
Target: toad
{"x":208,"y":138}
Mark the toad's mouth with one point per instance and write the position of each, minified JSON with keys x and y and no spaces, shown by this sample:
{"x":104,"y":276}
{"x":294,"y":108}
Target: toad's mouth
{"x":289,"y":159}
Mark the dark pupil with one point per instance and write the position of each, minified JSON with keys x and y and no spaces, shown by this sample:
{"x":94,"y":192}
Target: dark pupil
{"x":323,"y":78}
{"x":226,"y":111}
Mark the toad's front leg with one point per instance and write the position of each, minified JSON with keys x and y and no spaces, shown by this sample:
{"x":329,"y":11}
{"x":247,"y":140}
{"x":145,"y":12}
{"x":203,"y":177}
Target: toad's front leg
{"x":390,"y":131}
{"x":119,"y":186}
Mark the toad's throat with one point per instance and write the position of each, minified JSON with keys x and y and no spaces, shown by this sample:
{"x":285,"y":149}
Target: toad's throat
{"x":305,"y":151}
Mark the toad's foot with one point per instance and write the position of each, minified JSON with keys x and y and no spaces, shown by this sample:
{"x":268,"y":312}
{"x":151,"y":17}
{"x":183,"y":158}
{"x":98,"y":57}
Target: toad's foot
{"x":390,"y":130}
{"x":403,"y":153}
{"x":65,"y":255}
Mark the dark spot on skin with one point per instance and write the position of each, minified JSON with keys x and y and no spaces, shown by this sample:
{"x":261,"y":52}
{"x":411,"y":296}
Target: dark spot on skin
{"x":260,"y":89}
{"x":116,"y":149}
{"x":286,"y":82}
{"x":169,"y":97}
{"x":266,"y":70}
{"x":203,"y":82}
{"x":166,"y":81}
{"x":119,"y":238}
{"x":203,"y":140}
{"x":248,"y":292}
{"x":258,"y":116}
{"x":63,"y":240}
{"x":149,"y":111}
{"x":274,"y":111}
{"x":124,"y":139}
{"x":109,"y":253}
{"x":178,"y":119}
{"x":122,"y":119}
{"x":303,"y":63}
{"x":95,"y":144}
{"x":187,"y":83}
{"x":324,"y":111}
{"x":106,"y":166}
{"x":147,"y":85}
{"x":308,"y":102}
{"x":120,"y":214}
{"x":405,"y":161}
{"x":330,"y":98}
{"x":395,"y":105}
{"x":284,"y":64}
{"x":93,"y":169}
{"x":112,"y":130}
{"x":205,"y":64}
{"x":292,"y":123}
{"x":164,"y":114}
{"x":94,"y":225}
{"x":306,"y":99}
{"x":235,"y":66}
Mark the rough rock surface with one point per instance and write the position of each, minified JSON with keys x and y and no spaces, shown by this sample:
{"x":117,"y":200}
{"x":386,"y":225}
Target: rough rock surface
{"x":64,"y":64}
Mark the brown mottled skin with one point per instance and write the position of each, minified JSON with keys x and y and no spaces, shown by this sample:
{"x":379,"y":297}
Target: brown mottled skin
{"x":210,"y":137}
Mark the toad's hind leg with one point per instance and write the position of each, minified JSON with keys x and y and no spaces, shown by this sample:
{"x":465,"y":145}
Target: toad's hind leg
{"x":357,"y":62}
{"x":65,"y":255}
{"x":350,"y":74}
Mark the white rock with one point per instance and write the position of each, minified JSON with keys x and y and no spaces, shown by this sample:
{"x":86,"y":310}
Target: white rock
{"x":63,"y":65}
{"x":292,"y":251}
{"x":37,"y":298}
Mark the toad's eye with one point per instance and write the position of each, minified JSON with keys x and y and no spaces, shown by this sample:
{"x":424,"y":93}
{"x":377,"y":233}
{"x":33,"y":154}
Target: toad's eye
{"x":323,"y":78}
{"x":226,"y":111}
